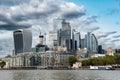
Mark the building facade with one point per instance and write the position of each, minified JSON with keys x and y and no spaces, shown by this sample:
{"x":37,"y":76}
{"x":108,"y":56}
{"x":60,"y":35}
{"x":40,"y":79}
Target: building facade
{"x":22,"y":41}
{"x":41,"y":59}
{"x":77,"y":38}
{"x":64,"y":33}
{"x":91,"y":44}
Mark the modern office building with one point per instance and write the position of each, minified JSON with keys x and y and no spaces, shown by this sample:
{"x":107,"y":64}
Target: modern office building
{"x":53,"y":38}
{"x":94,"y":44}
{"x":22,"y":41}
{"x":91,"y":44}
{"x":64,"y":33}
{"x":53,"y":34}
{"x":82,"y":43}
{"x":100,"y":49}
{"x":77,"y":38}
{"x":117,"y":51}
{"x":57,"y":23}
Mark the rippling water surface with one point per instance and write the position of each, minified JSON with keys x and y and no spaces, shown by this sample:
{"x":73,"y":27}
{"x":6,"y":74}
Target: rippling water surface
{"x":59,"y":75}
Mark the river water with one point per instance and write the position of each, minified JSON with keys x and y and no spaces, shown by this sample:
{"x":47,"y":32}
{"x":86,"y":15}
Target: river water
{"x":59,"y":75}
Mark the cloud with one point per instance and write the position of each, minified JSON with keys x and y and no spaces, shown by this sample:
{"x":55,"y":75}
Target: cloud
{"x":104,"y":40}
{"x":113,"y":32}
{"x":89,"y":20}
{"x":117,"y":36}
{"x":104,"y":34}
{"x":92,"y":29}
{"x":70,"y":10}
{"x":115,"y":40}
{"x":25,"y":15}
{"x":12,"y":2}
{"x":6,"y":43}
{"x":32,"y":14}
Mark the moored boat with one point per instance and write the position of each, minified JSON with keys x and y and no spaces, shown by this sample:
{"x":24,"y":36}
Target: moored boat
{"x":101,"y":68}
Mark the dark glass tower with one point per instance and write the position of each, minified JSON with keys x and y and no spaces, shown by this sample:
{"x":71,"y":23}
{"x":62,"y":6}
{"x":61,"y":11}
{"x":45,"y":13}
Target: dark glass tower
{"x":22,"y":41}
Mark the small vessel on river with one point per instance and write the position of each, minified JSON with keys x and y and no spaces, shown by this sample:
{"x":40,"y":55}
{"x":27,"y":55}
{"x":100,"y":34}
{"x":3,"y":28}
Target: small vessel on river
{"x":101,"y":68}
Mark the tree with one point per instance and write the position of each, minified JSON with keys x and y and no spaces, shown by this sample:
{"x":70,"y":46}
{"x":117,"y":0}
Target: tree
{"x":86,"y":63}
{"x":2,"y":64}
{"x":72,"y":60}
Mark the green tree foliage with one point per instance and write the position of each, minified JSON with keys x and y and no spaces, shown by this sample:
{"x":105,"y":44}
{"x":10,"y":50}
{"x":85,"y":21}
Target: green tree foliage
{"x":117,"y":59}
{"x":107,"y":60}
{"x":72,"y":60}
{"x":2,"y":64}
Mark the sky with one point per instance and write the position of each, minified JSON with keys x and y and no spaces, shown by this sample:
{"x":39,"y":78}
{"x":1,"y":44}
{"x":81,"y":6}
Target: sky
{"x":100,"y":17}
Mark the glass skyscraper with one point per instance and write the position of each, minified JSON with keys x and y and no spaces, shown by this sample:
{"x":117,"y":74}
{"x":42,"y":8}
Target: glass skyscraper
{"x":77,"y":38}
{"x":53,"y":34}
{"x":91,"y":44}
{"x":64,"y":33}
{"x":22,"y":41}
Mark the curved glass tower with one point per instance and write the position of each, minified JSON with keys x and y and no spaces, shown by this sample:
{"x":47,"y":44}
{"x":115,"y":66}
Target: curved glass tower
{"x":22,"y":41}
{"x":91,"y":44}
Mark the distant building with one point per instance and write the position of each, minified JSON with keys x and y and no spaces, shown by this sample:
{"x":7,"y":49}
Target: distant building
{"x":82,"y":43}
{"x":53,"y":38}
{"x":117,"y":51}
{"x":77,"y":38}
{"x":67,"y":38}
{"x":22,"y":41}
{"x":40,"y":47}
{"x":100,"y":49}
{"x":41,"y":59}
{"x":110,"y":51}
{"x":64,"y":33}
{"x":91,"y":44}
{"x":53,"y":34}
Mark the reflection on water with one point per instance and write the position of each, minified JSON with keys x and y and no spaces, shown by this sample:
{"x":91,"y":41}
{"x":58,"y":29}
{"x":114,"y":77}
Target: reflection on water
{"x":59,"y":75}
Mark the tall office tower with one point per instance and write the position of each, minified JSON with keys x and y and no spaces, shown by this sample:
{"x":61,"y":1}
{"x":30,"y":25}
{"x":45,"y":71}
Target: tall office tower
{"x":57,"y":24}
{"x":77,"y":38}
{"x":82,"y":43}
{"x":52,"y":37}
{"x":64,"y":33}
{"x":22,"y":40}
{"x":91,"y":44}
{"x":100,"y":49}
{"x":94,"y":44}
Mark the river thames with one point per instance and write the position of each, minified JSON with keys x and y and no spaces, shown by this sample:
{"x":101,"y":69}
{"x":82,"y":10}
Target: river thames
{"x":59,"y":75}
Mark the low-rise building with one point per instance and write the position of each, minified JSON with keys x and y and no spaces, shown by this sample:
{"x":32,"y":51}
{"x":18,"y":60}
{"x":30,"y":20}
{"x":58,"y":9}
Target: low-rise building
{"x":43,"y":59}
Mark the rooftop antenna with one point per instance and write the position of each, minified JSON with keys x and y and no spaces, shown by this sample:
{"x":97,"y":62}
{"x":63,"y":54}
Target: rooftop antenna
{"x":41,"y":37}
{"x":45,"y":37}
{"x":40,"y":31}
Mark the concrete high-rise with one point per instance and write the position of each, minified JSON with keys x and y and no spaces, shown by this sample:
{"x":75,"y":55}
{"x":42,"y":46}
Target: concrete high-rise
{"x":22,"y":41}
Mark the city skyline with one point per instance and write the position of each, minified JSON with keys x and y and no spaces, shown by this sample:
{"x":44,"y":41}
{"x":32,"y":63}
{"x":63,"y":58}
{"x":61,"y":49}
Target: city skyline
{"x":94,"y":16}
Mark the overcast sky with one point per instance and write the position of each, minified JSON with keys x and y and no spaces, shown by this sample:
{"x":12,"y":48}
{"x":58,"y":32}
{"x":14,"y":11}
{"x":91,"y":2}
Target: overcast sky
{"x":102,"y":17}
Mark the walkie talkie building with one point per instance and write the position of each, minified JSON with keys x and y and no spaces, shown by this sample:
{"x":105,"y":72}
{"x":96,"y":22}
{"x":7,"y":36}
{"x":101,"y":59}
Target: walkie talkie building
{"x":22,"y":41}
